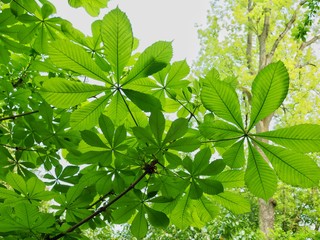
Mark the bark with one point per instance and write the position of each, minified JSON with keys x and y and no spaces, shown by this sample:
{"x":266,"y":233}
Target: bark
{"x":249,"y":40}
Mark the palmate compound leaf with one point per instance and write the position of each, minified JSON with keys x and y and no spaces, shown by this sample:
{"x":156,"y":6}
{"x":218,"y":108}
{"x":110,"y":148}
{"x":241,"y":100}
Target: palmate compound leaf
{"x":63,"y":93}
{"x":220,"y":98}
{"x":25,"y":217}
{"x":232,"y":201}
{"x":293,"y":168}
{"x":117,"y":36}
{"x":259,"y":177}
{"x":152,"y":60}
{"x":234,"y":156}
{"x":67,"y":55}
{"x":302,"y":138}
{"x":269,"y":89}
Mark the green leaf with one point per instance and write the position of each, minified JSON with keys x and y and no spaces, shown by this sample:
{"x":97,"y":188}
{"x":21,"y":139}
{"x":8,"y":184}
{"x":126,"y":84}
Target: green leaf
{"x":156,"y":218}
{"x":92,"y":139}
{"x":25,"y":217}
{"x":214,"y":168}
{"x":302,"y":138}
{"x":259,"y":177}
{"x":17,"y":182}
{"x":177,"y":71}
{"x":152,"y":60}
{"x":210,"y":186}
{"x":139,"y":226}
{"x":220,"y":98}
{"x":234,"y":156}
{"x":64,"y":93}
{"x":157,"y":125}
{"x":178,"y":128}
{"x":269,"y":89}
{"x":87,"y":116}
{"x":145,"y":102}
{"x":219,"y":131}
{"x":201,"y":161}
{"x":233,"y":202}
{"x":187,"y":144}
{"x":117,"y":36}
{"x":196,"y":213}
{"x":107,"y":128}
{"x":68,"y":55}
{"x":231,"y":178}
{"x":91,"y":6}
{"x":292,"y":167}
{"x":144,"y":135}
{"x":117,"y":109}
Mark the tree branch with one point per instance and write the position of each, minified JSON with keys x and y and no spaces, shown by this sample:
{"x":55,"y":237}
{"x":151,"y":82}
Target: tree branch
{"x":19,"y":115}
{"x":103,"y":208}
{"x":286,"y":29}
{"x":308,"y":43}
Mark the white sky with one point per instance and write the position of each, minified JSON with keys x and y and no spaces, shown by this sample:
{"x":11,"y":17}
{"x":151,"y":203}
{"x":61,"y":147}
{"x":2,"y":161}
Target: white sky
{"x":152,"y":20}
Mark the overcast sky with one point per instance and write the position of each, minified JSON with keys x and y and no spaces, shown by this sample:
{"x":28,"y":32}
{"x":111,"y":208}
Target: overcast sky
{"x":152,"y":20}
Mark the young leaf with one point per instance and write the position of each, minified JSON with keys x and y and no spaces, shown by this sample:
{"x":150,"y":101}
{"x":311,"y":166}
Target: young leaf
{"x":145,"y":102}
{"x":302,"y":138}
{"x":63,"y":93}
{"x":67,"y":55}
{"x":259,"y":177}
{"x":117,"y":36}
{"x":152,"y":60}
{"x":292,"y":167}
{"x":220,"y":98}
{"x":269,"y":89}
{"x":87,"y":116}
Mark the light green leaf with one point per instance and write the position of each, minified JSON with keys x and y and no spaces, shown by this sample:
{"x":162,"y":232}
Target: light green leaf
{"x":234,"y":156}
{"x":91,"y":6}
{"x":17,"y":182}
{"x":107,"y":128}
{"x":293,"y":168}
{"x":269,"y":89}
{"x":117,"y":109}
{"x":117,"y":36}
{"x":178,"y":128}
{"x":187,"y":144}
{"x":87,"y":116}
{"x":196,"y":213}
{"x":145,"y":102}
{"x":64,"y":93}
{"x":152,"y":60}
{"x":233,"y":201}
{"x":157,"y":125}
{"x":139,"y":226}
{"x":302,"y":138}
{"x":92,"y":139}
{"x":220,"y":98}
{"x":219,"y":131}
{"x":68,"y":55}
{"x":259,"y":177}
{"x":201,"y":161}
{"x":177,"y":71}
{"x":231,"y":178}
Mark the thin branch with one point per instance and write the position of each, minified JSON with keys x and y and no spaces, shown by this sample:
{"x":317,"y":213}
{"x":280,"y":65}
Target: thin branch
{"x":103,"y":208}
{"x":19,"y":115}
{"x":127,"y":106}
{"x":287,"y":28}
{"x":308,"y":43}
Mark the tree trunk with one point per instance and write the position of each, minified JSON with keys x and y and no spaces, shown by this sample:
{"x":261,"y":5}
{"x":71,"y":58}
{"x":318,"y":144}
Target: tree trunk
{"x":266,"y":217}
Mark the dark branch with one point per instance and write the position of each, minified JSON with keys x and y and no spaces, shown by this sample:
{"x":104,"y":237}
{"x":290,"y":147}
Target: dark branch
{"x":19,"y":115}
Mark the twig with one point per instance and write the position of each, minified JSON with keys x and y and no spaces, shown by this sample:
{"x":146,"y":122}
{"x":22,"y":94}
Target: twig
{"x":19,"y":115}
{"x":103,"y":208}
